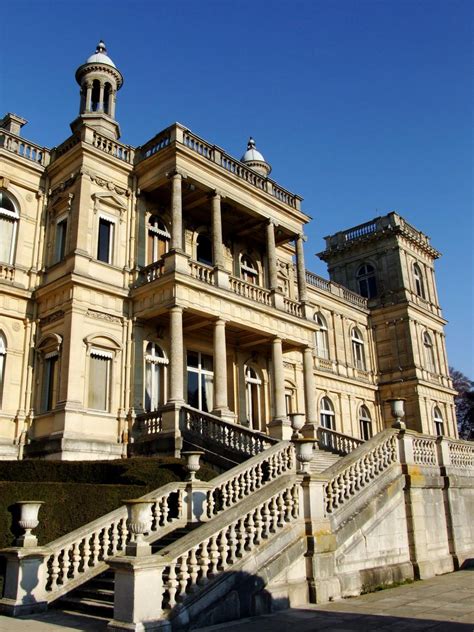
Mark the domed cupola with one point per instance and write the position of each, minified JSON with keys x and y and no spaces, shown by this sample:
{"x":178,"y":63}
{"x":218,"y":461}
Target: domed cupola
{"x":100,"y":80}
{"x":254,"y":159}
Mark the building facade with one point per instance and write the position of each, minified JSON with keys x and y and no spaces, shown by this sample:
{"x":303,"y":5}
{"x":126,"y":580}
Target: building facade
{"x":134,"y":280}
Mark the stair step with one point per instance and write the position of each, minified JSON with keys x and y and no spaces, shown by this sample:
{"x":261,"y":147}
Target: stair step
{"x":97,"y":594}
{"x":87,"y":605}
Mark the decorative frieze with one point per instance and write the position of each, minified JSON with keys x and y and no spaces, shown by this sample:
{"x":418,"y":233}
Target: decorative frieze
{"x":110,"y":318}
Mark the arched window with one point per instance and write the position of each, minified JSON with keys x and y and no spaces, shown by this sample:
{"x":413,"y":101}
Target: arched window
{"x":107,"y":93}
{"x":438,"y":422}
{"x":95,"y":97}
{"x":429,"y":353}
{"x":365,"y":423}
{"x":253,"y":389}
{"x":8,"y":227}
{"x":322,"y":338}
{"x":248,"y":269}
{"x":358,"y":353}
{"x":327,"y":417}
{"x":366,"y":280}
{"x":3,"y":355}
{"x":419,"y":284}
{"x":155,"y":377}
{"x":158,"y":239}
{"x":204,"y":249}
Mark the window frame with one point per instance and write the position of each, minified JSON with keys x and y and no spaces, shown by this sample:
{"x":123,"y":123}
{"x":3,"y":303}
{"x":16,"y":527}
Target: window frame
{"x":429,"y":353}
{"x":155,"y":366}
{"x":419,"y":281}
{"x":60,"y":238}
{"x":321,"y":337}
{"x":112,"y":222}
{"x":3,"y":362}
{"x":366,"y":277}
{"x":438,"y":421}
{"x":358,"y":350}
{"x":253,"y":387}
{"x":366,"y":429}
{"x":202,"y":261}
{"x":13,"y":217}
{"x":97,"y":352}
{"x":327,"y":414}
{"x":202,"y":373}
{"x":157,"y":234}
{"x":248,"y":270}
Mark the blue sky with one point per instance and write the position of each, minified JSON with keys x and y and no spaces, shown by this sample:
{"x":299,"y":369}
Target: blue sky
{"x":361,"y":106}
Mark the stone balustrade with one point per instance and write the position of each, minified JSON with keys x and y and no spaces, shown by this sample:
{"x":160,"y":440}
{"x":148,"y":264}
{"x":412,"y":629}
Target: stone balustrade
{"x":202,"y":272}
{"x":250,"y":291}
{"x":113,"y":148}
{"x":292,"y":307}
{"x":228,"y":435}
{"x":200,"y":556}
{"x":336,"y":442}
{"x":337,"y":290}
{"x":149,"y":423}
{"x":153,"y":271}
{"x":156,"y":144}
{"x":424,"y":451}
{"x":461,"y":454}
{"x":25,"y":149}
{"x":7,"y":272}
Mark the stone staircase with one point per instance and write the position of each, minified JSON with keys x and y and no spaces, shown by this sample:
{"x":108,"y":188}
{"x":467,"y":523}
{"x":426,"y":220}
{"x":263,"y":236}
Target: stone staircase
{"x":264,"y":534}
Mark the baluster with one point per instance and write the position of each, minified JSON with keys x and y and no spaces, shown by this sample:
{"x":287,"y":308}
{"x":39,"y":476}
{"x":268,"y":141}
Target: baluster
{"x":296,"y":501}
{"x":193,"y":569}
{"x":172,"y":586}
{"x":258,"y":475}
{"x":280,"y":510}
{"x":183,"y":576}
{"x":288,"y":505}
{"x":213,"y":555}
{"x":265,"y":512}
{"x":55,"y":570}
{"x":180,"y":504}
{"x":241,"y":536}
{"x":223,"y":549}
{"x":232,"y":543}
{"x":250,"y":531}
{"x":210,"y":504}
{"x":105,"y":544}
{"x":64,"y":566}
{"x":115,"y":538}
{"x":273,"y":514}
{"x":203,"y":563}
{"x":164,"y":507}
{"x":86,"y":553}
{"x":95,"y":548}
{"x":76,"y":559}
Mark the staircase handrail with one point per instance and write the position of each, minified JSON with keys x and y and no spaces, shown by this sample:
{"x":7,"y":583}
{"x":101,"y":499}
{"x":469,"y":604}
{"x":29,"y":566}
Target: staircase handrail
{"x":230,"y":435}
{"x":336,"y":442}
{"x":214,"y":547}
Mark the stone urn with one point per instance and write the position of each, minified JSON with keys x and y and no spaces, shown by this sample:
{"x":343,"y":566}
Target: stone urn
{"x":397,"y":409}
{"x":192,"y":463}
{"x":304,"y":454}
{"x":297,"y":421}
{"x":139,"y":521}
{"x":28,"y":520}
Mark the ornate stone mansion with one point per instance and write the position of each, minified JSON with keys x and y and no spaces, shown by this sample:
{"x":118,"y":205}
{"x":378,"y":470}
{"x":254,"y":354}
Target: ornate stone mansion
{"x":155,"y":298}
{"x":134,"y":280}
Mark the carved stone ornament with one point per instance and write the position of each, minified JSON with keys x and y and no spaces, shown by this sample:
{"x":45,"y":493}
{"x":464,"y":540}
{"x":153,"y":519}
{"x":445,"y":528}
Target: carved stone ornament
{"x":51,"y":318}
{"x":62,"y":186}
{"x":106,"y":184}
{"x":92,"y":313}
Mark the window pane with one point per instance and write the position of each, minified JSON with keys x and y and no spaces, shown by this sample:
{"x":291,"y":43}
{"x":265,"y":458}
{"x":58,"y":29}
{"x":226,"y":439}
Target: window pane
{"x":207,"y":362}
{"x":207,"y":395}
{"x":193,"y":359}
{"x":61,"y":229}
{"x":98,"y":383}
{"x":6,"y":239}
{"x":193,"y":389}
{"x":105,"y":237}
{"x":49,"y":378}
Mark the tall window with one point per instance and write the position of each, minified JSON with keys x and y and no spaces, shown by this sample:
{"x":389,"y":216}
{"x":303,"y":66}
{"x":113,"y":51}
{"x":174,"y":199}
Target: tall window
{"x":366,"y":281}
{"x":429,"y":353}
{"x":100,"y":372}
{"x":248,"y":270}
{"x":327,"y":417}
{"x":155,"y":377}
{"x":290,"y":396}
{"x":50,"y":381}
{"x":322,"y":338}
{"x":105,"y":240}
{"x":253,"y":386}
{"x":204,"y":249}
{"x":358,"y":353}
{"x":438,"y":422}
{"x":365,"y":423}
{"x":200,"y":369}
{"x":8,"y":227}
{"x":158,"y":239}
{"x":60,"y":243}
{"x":3,"y":355}
{"x":418,"y":276}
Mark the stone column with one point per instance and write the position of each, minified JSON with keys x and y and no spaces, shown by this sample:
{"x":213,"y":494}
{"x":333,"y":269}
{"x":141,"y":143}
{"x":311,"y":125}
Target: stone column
{"x":300,"y":268}
{"x":101,"y":97}
{"x":271,"y":255}
{"x":112,"y":97}
{"x":176,"y":384}
{"x":280,"y":426}
{"x":220,"y":369}
{"x":309,"y":392}
{"x":88,"y":96}
{"x":217,"y":230}
{"x":176,"y":212}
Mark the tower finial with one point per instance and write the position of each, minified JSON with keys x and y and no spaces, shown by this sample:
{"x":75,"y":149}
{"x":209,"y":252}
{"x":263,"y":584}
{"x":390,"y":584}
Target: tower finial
{"x":251,"y":143}
{"x":101,"y":47}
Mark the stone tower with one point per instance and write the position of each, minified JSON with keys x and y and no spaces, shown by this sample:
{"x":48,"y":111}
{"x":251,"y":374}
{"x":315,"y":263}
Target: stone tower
{"x":391,"y":263}
{"x":99,"y":80}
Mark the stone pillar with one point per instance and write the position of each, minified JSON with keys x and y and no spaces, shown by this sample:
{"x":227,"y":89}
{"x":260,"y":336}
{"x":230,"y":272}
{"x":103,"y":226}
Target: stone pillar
{"x":101,"y":97}
{"x":220,"y":369}
{"x":309,"y":393}
{"x":176,"y":212}
{"x":217,"y":230}
{"x":88,"y":96}
{"x":176,"y":383}
{"x":24,"y":591}
{"x":112,"y":102}
{"x":271,"y":256}
{"x":280,"y":426}
{"x":300,"y":268}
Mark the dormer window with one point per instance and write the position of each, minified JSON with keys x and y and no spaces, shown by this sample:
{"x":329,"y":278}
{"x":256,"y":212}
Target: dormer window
{"x":366,"y":280}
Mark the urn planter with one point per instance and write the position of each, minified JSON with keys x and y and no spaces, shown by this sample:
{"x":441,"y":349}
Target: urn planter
{"x":139,"y":521}
{"x":397,"y":408}
{"x":304,"y":454}
{"x":28,"y":520}
{"x":192,"y":463}
{"x":297,"y":421}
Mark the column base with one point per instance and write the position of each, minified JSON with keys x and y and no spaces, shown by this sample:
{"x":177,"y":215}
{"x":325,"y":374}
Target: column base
{"x":176,"y":261}
{"x":221,"y":277}
{"x":280,"y":429}
{"x":11,"y":608}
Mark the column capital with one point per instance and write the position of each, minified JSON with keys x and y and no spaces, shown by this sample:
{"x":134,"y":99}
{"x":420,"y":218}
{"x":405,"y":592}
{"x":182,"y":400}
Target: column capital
{"x":176,"y":308}
{"x":177,"y":173}
{"x":277,"y":339}
{"x":272,"y":222}
{"x":216,"y":193}
{"x":308,"y":349}
{"x":302,"y":236}
{"x":220,"y":321}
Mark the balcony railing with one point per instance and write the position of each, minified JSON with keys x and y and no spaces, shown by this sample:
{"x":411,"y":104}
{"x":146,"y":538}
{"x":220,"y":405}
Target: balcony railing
{"x":7,"y":272}
{"x":153,"y":271}
{"x":334,"y":288}
{"x":21,"y":147}
{"x":248,"y":290}
{"x":202,"y":272}
{"x":292,"y":307}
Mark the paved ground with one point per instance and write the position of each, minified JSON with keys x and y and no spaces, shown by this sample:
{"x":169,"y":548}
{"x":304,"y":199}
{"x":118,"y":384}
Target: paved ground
{"x":441,"y":604}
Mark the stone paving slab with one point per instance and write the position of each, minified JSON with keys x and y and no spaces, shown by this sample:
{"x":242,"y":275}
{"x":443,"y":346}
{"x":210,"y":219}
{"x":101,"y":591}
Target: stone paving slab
{"x":440,"y":604}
